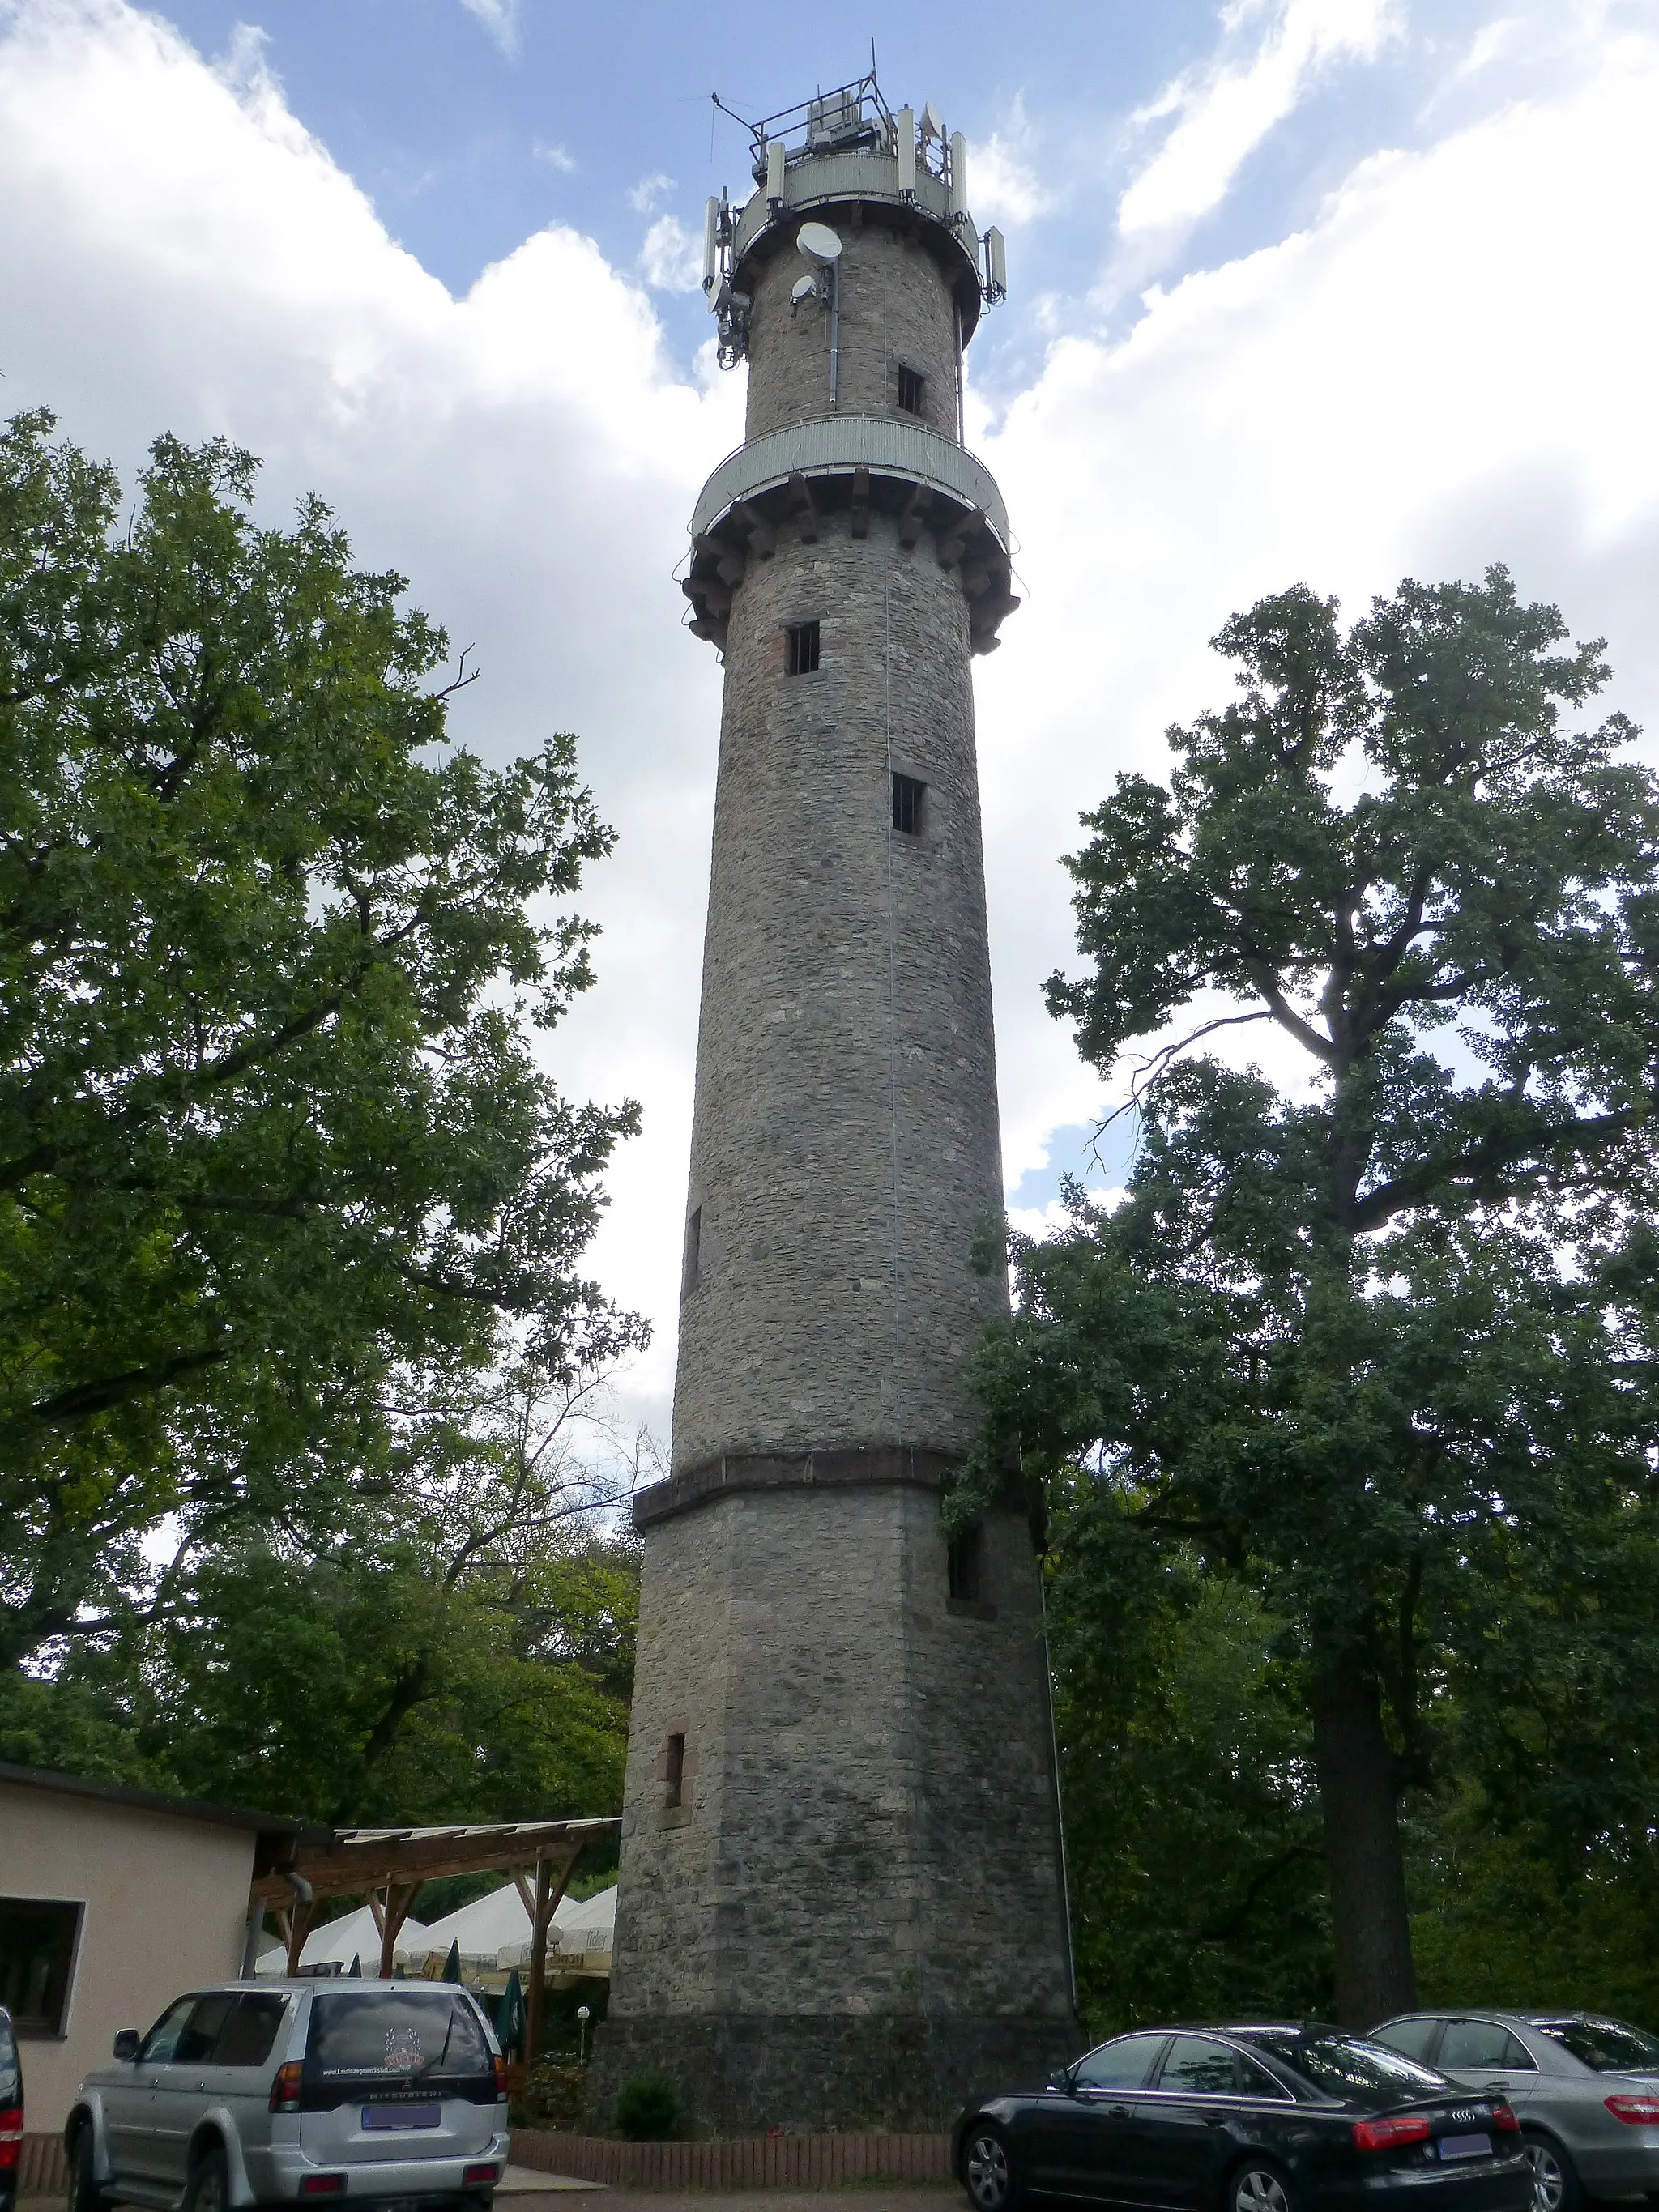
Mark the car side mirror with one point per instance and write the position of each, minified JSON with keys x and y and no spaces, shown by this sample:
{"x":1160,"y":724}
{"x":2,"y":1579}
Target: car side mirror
{"x":1061,"y":2079}
{"x":128,"y":2043}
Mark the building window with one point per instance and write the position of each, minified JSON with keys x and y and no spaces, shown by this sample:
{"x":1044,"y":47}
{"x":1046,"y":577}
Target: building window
{"x":911,"y":385}
{"x":801,"y":648}
{"x":38,"y":1940}
{"x":693,"y":1266}
{"x":674,"y":1772}
{"x":961,"y":1566}
{"x":908,"y":796}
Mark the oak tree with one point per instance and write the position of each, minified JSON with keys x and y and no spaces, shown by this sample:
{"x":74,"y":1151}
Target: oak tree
{"x":1372,"y":1329}
{"x":273,"y":1131}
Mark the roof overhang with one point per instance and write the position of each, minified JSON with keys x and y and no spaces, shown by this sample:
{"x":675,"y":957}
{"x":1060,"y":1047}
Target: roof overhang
{"x":353,"y":1861}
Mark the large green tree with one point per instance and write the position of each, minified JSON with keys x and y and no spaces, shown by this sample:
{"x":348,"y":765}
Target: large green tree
{"x":272,"y":1132}
{"x":1372,"y":1330}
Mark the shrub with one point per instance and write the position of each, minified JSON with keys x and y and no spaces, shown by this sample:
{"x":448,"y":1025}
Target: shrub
{"x":647,"y":2108}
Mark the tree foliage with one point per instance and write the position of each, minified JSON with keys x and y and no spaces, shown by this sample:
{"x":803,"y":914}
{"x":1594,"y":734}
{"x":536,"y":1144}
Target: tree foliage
{"x":1372,"y":1331}
{"x":272,"y":1130}
{"x":460,"y":1647}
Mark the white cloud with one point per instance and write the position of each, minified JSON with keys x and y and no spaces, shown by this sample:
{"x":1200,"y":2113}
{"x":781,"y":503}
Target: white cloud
{"x":1225,"y":111}
{"x":1404,"y":388}
{"x":556,"y":157}
{"x":671,"y":259}
{"x":500,"y":18}
{"x":1007,"y":187}
{"x":650,"y":192}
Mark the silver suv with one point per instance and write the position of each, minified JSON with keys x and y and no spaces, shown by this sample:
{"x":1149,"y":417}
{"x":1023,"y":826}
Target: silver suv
{"x":267,"y":2093}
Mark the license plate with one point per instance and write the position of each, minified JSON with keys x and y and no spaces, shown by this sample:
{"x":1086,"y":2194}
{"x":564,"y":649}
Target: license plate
{"x":1466,"y":2146}
{"x":403,"y":2116}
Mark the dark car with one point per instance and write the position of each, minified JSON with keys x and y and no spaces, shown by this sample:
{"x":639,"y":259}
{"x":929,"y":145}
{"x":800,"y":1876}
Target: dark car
{"x":1298,"y":2118}
{"x":11,"y":2112}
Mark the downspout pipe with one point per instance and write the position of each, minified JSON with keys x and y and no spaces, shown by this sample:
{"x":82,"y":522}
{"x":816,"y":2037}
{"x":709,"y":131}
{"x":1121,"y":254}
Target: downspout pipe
{"x":835,"y":332}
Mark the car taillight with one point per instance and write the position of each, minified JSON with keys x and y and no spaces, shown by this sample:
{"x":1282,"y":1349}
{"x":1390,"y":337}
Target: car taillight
{"x":500,"y":2079}
{"x":1502,"y":2117}
{"x":1635,"y":2111}
{"x":1382,"y":2134}
{"x":322,"y":2185}
{"x":11,"y":2138}
{"x":472,"y":2174}
{"x":285,"y":2088}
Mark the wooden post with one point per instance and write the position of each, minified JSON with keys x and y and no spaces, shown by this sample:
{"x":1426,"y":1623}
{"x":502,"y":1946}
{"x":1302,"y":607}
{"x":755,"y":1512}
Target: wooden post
{"x":299,"y":1927}
{"x":547,"y":1904}
{"x":399,"y":1896}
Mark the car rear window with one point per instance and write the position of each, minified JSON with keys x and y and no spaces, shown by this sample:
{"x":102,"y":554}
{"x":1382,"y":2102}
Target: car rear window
{"x":1606,"y":2046}
{"x":395,"y":2036}
{"x":1343,"y":2066}
{"x":247,"y":2036}
{"x":11,"y":2077}
{"x":1472,"y":2044}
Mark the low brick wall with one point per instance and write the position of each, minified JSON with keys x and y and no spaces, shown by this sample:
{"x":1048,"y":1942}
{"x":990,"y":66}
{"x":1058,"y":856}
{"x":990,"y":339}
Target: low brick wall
{"x":41,"y":2170}
{"x":738,"y":2161}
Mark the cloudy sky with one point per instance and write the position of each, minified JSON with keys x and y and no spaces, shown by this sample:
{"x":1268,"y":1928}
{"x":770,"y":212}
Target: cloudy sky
{"x":1335,"y":290}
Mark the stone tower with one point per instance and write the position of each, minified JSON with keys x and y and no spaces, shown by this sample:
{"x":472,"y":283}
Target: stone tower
{"x":842,"y":1901}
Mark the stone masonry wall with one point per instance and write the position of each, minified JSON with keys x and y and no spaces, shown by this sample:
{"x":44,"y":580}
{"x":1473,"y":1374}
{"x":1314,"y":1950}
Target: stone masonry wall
{"x":870,"y":1835}
{"x":896,"y":310}
{"x":846,"y":1145}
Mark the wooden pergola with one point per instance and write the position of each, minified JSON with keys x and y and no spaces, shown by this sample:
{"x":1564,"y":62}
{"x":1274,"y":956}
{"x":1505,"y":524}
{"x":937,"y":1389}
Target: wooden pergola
{"x":388,"y":1866}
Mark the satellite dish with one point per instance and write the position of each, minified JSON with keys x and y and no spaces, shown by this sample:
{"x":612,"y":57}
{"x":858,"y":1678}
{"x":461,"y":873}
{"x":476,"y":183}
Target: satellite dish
{"x":818,"y":243}
{"x":932,"y":122}
{"x":806,"y":287}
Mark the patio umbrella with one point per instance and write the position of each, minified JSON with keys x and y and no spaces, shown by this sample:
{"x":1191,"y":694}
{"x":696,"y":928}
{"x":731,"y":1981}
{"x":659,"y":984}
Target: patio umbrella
{"x":453,"y":1963}
{"x":510,"y":2018}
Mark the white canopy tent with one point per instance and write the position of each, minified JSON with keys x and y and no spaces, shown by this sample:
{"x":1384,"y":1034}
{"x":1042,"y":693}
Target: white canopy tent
{"x":354,"y":1935}
{"x":493,"y":1922}
{"x":586,"y":1929}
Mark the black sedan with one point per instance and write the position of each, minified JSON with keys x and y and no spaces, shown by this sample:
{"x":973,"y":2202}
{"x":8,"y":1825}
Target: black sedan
{"x":1247,"y":2119}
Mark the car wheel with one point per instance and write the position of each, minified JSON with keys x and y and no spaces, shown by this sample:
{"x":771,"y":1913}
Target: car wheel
{"x":987,"y":2173}
{"x":1259,"y":2187}
{"x":208,"y":2189}
{"x":84,"y":2194}
{"x":1555,"y":2184}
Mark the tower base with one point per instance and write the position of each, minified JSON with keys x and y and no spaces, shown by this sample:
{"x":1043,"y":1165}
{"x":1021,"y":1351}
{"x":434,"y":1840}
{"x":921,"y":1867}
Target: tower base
{"x":809,"y":2073}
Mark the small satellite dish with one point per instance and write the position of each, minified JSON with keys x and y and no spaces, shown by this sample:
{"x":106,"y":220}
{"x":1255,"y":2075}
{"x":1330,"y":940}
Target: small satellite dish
{"x":932,"y":122}
{"x":806,"y":287}
{"x":818,"y":243}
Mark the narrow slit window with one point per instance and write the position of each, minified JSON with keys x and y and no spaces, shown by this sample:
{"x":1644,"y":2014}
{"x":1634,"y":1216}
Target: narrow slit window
{"x":909,"y":798}
{"x":911,"y":384}
{"x":801,"y":648}
{"x":693,"y":1249}
{"x":961,"y":1566}
{"x":674,"y":1772}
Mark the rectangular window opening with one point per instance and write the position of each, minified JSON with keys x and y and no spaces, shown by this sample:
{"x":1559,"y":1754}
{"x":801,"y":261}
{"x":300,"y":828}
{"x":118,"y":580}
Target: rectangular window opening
{"x":693,"y":1250}
{"x":38,"y":1937}
{"x":911,"y":385}
{"x":802,"y":648}
{"x":908,"y":796}
{"x":674,"y":1772}
{"x":962,"y":1565}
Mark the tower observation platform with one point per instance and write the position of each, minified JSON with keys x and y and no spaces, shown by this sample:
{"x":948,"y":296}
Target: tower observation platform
{"x":841,"y":1902}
